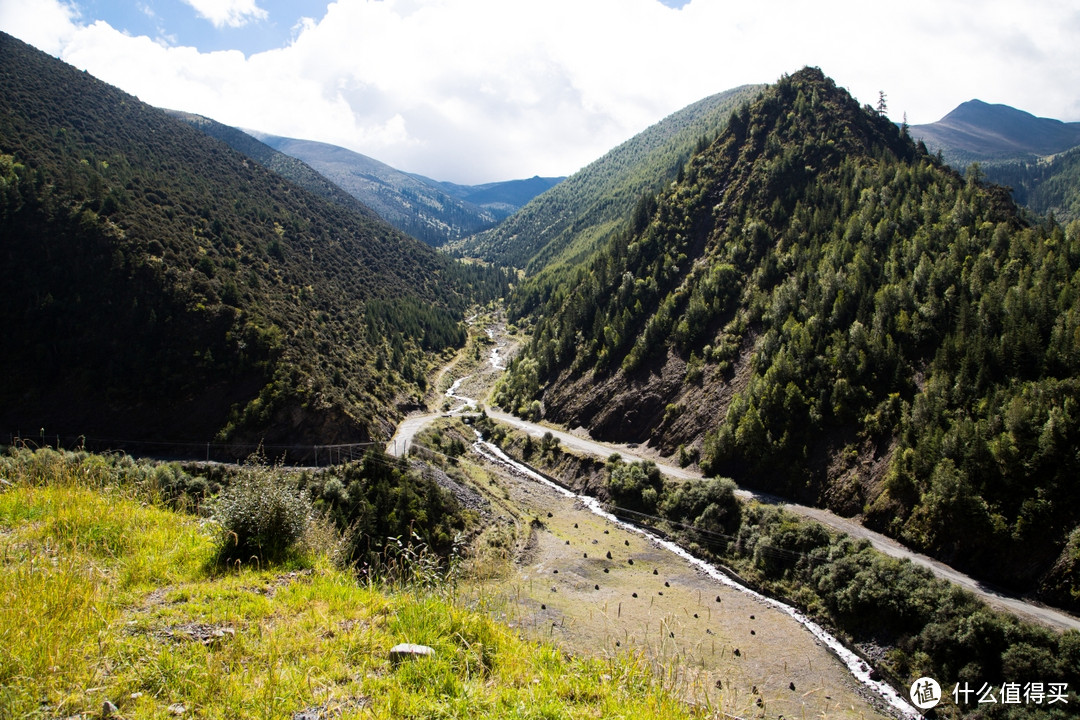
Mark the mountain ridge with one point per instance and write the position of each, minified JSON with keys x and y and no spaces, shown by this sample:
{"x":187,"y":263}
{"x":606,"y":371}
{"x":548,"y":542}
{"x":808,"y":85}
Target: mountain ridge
{"x":564,"y":224}
{"x":797,"y":312}
{"x":433,"y":211}
{"x":148,"y":265}
{"x":976,"y":130}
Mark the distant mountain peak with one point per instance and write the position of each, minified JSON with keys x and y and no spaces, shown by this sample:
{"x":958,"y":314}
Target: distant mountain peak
{"x":978,"y":130}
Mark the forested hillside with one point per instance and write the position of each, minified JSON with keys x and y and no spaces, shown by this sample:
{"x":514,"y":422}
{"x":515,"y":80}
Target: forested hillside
{"x":1048,"y":186}
{"x":820,"y":308}
{"x":412,"y":205}
{"x":158,"y":284}
{"x":284,"y":165}
{"x":564,"y":225}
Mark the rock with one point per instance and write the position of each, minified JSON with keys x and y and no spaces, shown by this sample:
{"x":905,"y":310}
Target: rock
{"x":609,"y":555}
{"x":177,"y":709}
{"x":409,"y":651}
{"x":108,"y":709}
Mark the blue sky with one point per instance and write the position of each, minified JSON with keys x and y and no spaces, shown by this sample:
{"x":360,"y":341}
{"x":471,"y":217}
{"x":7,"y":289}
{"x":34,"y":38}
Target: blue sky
{"x":179,"y":23}
{"x":476,"y":91}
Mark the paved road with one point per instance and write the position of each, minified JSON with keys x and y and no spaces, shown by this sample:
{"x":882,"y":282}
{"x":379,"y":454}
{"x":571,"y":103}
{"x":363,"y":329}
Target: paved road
{"x":996,"y":598}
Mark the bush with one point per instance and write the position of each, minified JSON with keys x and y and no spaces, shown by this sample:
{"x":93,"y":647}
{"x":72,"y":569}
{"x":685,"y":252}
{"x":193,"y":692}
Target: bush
{"x":261,"y":515}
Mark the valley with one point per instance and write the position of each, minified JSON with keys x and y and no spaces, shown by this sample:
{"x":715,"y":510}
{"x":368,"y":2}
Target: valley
{"x":773,"y":332}
{"x":599,"y":588}
{"x":583,"y":579}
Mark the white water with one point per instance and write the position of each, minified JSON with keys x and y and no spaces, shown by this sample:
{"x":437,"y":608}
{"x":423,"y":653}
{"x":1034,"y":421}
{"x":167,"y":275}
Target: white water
{"x":468,"y":402}
{"x":854,"y":663}
{"x":495,"y":359}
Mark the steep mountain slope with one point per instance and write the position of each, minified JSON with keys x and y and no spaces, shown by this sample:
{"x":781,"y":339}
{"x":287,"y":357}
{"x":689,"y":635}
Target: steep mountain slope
{"x":565,"y":224}
{"x":1047,"y":186}
{"x":1037,"y":157}
{"x":158,"y":284}
{"x":411,"y":205}
{"x":284,"y":165}
{"x":820,"y":309}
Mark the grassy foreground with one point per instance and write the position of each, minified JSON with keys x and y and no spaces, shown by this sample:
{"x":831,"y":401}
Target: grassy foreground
{"x":107,"y":594}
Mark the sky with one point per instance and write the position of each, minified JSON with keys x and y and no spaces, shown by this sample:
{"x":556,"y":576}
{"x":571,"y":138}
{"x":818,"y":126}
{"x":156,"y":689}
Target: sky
{"x":475,"y":91}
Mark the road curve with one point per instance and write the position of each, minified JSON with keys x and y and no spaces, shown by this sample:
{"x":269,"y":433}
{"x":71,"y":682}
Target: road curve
{"x":1042,"y":614}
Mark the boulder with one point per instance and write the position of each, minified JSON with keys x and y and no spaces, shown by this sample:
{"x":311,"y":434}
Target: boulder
{"x":409,"y":651}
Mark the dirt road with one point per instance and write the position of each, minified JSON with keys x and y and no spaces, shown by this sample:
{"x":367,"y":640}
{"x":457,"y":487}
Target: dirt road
{"x":474,"y":380}
{"x":994,"y":597}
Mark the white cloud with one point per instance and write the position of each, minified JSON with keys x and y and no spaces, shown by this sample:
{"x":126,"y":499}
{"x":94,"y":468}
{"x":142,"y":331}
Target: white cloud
{"x":228,"y":13}
{"x":482,"y":90}
{"x":47,"y":25}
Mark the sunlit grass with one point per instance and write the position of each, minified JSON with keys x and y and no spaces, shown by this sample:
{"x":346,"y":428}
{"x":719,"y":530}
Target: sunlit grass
{"x":105,"y":595}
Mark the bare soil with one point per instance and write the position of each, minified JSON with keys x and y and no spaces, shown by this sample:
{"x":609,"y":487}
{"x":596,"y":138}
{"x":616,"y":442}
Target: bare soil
{"x":715,"y":645}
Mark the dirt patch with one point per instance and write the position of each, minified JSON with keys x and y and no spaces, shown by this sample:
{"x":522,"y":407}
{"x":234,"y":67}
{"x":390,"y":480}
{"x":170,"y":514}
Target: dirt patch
{"x":599,"y":589}
{"x":660,"y":405}
{"x":204,"y":633}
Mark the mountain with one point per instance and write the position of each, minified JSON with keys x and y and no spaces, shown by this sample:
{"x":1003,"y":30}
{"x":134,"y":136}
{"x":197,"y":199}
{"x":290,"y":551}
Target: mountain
{"x":410,"y":204}
{"x":502,"y":199}
{"x":284,"y":165}
{"x":821,"y":309}
{"x":977,"y":132}
{"x":1038,"y":158}
{"x":160,"y":285}
{"x":564,"y":224}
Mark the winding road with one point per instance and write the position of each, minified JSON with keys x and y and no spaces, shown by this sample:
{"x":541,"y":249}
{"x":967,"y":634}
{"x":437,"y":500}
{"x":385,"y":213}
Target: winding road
{"x":994,"y":597}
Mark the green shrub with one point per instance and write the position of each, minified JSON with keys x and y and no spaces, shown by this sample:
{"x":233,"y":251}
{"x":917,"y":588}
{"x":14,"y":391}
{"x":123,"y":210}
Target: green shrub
{"x":261,"y":515}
